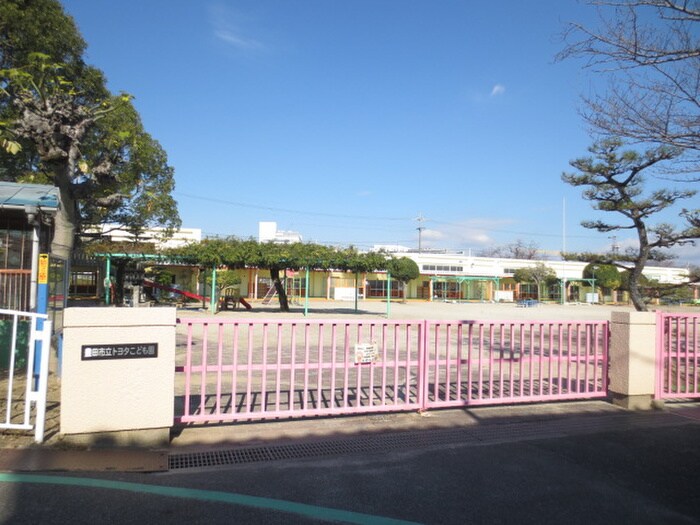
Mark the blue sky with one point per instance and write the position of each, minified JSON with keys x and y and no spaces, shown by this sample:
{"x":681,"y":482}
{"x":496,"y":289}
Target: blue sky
{"x":345,"y":121}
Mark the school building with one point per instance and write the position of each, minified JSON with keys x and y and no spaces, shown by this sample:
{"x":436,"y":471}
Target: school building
{"x":451,"y":277}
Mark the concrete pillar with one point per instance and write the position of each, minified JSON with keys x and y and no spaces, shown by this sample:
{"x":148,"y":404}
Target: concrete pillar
{"x":633,"y":359}
{"x":117,"y":384}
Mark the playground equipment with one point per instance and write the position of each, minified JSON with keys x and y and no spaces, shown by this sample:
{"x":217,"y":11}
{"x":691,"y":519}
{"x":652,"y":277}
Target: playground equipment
{"x":270,"y":295}
{"x":230,"y":296}
{"x":189,"y":295}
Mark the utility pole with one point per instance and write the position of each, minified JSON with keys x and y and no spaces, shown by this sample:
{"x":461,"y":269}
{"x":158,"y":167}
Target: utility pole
{"x":615,"y":247}
{"x":420,"y":229}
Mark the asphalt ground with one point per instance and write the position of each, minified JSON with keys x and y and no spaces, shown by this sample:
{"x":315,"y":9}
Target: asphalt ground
{"x":566,"y":463}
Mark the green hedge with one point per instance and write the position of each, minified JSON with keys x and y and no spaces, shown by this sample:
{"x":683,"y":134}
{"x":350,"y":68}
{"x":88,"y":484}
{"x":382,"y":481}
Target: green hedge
{"x":6,"y":341}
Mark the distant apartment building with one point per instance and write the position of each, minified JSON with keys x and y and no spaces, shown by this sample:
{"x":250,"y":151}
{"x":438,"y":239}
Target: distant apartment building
{"x":268,"y":232}
{"x":161,"y":237}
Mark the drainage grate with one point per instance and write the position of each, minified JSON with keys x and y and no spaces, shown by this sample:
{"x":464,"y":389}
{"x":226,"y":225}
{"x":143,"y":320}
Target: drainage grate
{"x":478,"y":435}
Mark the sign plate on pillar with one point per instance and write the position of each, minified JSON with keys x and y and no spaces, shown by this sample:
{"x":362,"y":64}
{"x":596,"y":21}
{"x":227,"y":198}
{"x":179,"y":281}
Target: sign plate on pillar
{"x":118,"y":351}
{"x":43,"y":274}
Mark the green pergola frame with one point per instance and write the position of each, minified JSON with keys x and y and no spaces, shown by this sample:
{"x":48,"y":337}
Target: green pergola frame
{"x":141,"y":256}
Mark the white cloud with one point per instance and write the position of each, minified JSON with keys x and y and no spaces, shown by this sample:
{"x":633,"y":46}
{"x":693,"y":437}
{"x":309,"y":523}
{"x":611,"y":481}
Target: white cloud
{"x":235,"y":40}
{"x":472,"y":233}
{"x":498,"y":89}
{"x":226,"y":25}
{"x":432,"y":235}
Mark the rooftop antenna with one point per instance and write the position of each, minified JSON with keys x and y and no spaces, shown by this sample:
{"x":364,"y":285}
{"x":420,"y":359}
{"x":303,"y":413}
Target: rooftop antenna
{"x":420,"y":229}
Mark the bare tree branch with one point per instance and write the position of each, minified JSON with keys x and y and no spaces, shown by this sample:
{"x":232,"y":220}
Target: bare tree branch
{"x":649,"y":53}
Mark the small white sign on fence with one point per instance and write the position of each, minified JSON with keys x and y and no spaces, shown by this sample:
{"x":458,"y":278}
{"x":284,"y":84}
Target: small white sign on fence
{"x":366,"y":353}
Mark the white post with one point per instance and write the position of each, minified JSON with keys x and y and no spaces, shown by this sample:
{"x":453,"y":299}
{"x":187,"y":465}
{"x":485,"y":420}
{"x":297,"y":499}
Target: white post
{"x":42,"y":387}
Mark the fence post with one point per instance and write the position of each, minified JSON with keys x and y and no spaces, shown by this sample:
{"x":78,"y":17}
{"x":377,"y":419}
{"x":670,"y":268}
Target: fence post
{"x":633,"y":359}
{"x":39,"y":395}
{"x":422,"y":372}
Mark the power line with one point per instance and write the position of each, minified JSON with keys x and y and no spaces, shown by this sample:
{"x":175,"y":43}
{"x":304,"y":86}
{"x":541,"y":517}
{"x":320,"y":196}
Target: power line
{"x":496,"y":230}
{"x":287,"y":210}
{"x":420,"y":219}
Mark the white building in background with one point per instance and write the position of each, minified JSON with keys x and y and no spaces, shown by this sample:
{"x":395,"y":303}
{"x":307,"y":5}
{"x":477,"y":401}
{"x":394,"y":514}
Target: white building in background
{"x":390,"y":248}
{"x":268,"y":232}
{"x":459,"y":264}
{"x":158,"y":236}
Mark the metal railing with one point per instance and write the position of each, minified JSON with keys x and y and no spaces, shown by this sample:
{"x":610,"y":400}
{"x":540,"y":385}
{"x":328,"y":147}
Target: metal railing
{"x":15,"y":286}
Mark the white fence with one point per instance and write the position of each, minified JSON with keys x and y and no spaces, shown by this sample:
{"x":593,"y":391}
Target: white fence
{"x":22,"y":335}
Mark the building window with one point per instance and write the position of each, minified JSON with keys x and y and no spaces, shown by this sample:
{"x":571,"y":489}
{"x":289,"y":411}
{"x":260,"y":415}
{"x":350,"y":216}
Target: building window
{"x":296,"y":286}
{"x":15,"y":246}
{"x":83,"y":284}
{"x":447,"y":290}
{"x":377,"y":288}
{"x":528,"y":291}
{"x":442,"y":268}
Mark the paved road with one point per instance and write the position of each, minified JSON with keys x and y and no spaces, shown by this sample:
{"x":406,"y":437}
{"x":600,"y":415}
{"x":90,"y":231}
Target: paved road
{"x":601,"y":468}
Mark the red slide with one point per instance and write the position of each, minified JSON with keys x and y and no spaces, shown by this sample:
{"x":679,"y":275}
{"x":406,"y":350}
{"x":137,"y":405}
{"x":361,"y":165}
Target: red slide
{"x":190,"y":295}
{"x":245,"y":303}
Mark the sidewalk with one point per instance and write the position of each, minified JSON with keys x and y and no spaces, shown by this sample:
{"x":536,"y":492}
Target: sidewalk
{"x":199,"y":447}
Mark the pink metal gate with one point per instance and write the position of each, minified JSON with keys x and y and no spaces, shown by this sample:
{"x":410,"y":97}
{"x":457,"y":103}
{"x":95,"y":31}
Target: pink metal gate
{"x":678,"y":352}
{"x":262,"y":369}
{"x":492,"y":362}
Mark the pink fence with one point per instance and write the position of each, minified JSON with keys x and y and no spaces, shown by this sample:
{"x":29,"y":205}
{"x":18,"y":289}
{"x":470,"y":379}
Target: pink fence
{"x":678,"y":352}
{"x":262,"y":369}
{"x":491,"y":362}
{"x":236,"y":369}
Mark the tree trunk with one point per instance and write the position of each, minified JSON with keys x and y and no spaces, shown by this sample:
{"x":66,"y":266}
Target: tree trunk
{"x":635,"y":292}
{"x":636,"y":272}
{"x":119,"y":284}
{"x":66,"y":217}
{"x":281,"y":292}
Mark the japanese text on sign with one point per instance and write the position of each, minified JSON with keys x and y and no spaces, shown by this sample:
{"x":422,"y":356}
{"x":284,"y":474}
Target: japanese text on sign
{"x":366,"y":353}
{"x":43,"y":272}
{"x":119,"y":351}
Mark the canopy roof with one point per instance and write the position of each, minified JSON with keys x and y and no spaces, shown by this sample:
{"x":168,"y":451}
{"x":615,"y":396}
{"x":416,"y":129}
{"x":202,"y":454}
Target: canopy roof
{"x":14,"y":195}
